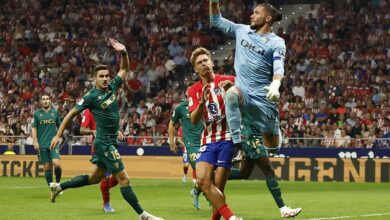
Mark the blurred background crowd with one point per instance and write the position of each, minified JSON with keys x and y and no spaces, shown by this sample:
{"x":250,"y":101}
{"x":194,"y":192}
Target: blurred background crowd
{"x":335,"y":92}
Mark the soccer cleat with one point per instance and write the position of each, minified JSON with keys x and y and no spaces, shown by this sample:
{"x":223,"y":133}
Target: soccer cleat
{"x":147,"y":216}
{"x":55,"y":191}
{"x":235,"y":218}
{"x":108,"y":208}
{"x":195,"y":198}
{"x":287,"y":212}
{"x":184,"y":179}
{"x":238,"y":157}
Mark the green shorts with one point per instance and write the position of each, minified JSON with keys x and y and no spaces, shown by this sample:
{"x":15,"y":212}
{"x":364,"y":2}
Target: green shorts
{"x":46,"y":155}
{"x":253,"y":148}
{"x":107,"y":157}
{"x":192,"y":151}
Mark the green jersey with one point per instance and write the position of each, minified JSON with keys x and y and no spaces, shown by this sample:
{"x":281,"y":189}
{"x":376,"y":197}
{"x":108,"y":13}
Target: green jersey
{"x":46,"y":124}
{"x":104,"y":108}
{"x":191,"y":132}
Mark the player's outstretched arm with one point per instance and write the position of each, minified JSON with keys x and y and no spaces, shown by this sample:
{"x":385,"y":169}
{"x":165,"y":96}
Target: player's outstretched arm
{"x":219,"y":22}
{"x":68,"y":118}
{"x":125,"y":66}
{"x":214,"y":7}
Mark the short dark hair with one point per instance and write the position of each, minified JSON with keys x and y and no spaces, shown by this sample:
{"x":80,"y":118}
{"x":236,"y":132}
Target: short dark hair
{"x":98,"y":68}
{"x":275,"y":13}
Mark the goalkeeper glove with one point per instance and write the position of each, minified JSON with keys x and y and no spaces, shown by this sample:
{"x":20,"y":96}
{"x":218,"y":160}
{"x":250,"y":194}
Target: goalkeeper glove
{"x":273,"y":91}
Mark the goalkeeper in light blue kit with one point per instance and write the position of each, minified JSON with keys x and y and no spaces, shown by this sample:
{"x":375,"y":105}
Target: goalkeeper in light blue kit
{"x":259,"y":65}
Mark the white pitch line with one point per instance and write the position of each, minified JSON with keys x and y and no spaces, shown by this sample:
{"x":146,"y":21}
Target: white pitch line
{"x":352,"y":216}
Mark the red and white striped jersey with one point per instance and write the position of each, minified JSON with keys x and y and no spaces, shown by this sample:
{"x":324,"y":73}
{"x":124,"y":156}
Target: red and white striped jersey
{"x":214,"y":117}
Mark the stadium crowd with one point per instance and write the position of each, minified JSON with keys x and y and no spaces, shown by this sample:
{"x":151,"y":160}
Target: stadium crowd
{"x":336,"y":86}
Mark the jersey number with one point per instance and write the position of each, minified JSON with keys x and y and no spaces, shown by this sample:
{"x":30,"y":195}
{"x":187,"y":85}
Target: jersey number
{"x":115,"y":155}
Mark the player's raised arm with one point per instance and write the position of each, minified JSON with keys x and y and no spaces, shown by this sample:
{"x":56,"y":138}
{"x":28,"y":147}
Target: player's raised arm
{"x":214,"y":7}
{"x":219,"y":22}
{"x":68,"y":118}
{"x":197,"y":114}
{"x":124,"y":67}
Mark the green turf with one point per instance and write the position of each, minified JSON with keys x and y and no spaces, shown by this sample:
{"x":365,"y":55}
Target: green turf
{"x":27,"y":198}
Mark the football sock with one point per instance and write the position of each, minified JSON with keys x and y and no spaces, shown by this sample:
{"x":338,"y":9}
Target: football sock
{"x":233,"y":116}
{"x":58,"y":172}
{"x":185,"y":170}
{"x":131,"y":198}
{"x":75,"y":182}
{"x":215,"y":216}
{"x":234,"y":174}
{"x":274,"y":188}
{"x":48,"y":176}
{"x":104,"y":188}
{"x":113,"y":181}
{"x":225,"y":211}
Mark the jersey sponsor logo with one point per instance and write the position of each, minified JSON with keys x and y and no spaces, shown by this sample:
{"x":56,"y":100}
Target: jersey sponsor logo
{"x":282,"y":52}
{"x":213,"y":109}
{"x":46,"y":121}
{"x":217,"y":91}
{"x":252,"y":47}
{"x":109,"y":101}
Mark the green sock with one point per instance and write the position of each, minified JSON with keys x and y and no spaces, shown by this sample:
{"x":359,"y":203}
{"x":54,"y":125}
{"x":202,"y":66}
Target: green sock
{"x":58,"y":172}
{"x":234,"y":174}
{"x":274,"y":188}
{"x":48,"y":176}
{"x":77,"y":181}
{"x":131,"y":198}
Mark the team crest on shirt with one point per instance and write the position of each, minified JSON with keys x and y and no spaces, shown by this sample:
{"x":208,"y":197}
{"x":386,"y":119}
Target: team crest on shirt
{"x":106,"y":154}
{"x":52,"y":114}
{"x":117,"y":165}
{"x":213,"y":109}
{"x":217,"y":91}
{"x":40,"y":115}
{"x":99,"y":97}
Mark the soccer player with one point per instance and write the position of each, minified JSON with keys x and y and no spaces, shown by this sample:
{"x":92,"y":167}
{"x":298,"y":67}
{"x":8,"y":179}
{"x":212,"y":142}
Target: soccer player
{"x":191,"y":139}
{"x":214,"y":159}
{"x":259,"y":66}
{"x":88,"y":127}
{"x":103,"y":103}
{"x":257,"y":154}
{"x":180,"y":142}
{"x":44,"y":127}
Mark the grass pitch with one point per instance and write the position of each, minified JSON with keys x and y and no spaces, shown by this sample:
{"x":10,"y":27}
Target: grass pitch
{"x":28,"y":198}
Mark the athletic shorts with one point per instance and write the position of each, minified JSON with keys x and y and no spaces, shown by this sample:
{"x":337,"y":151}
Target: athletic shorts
{"x":219,"y":154}
{"x":191,"y":155}
{"x":46,"y":155}
{"x":265,"y":114}
{"x":107,"y":156}
{"x":253,"y":148}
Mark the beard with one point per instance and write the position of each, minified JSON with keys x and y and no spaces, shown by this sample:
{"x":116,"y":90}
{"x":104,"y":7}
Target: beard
{"x":257,"y":26}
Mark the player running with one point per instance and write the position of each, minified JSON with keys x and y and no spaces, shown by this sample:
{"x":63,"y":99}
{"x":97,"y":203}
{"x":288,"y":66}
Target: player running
{"x":88,"y":127}
{"x":103,"y":103}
